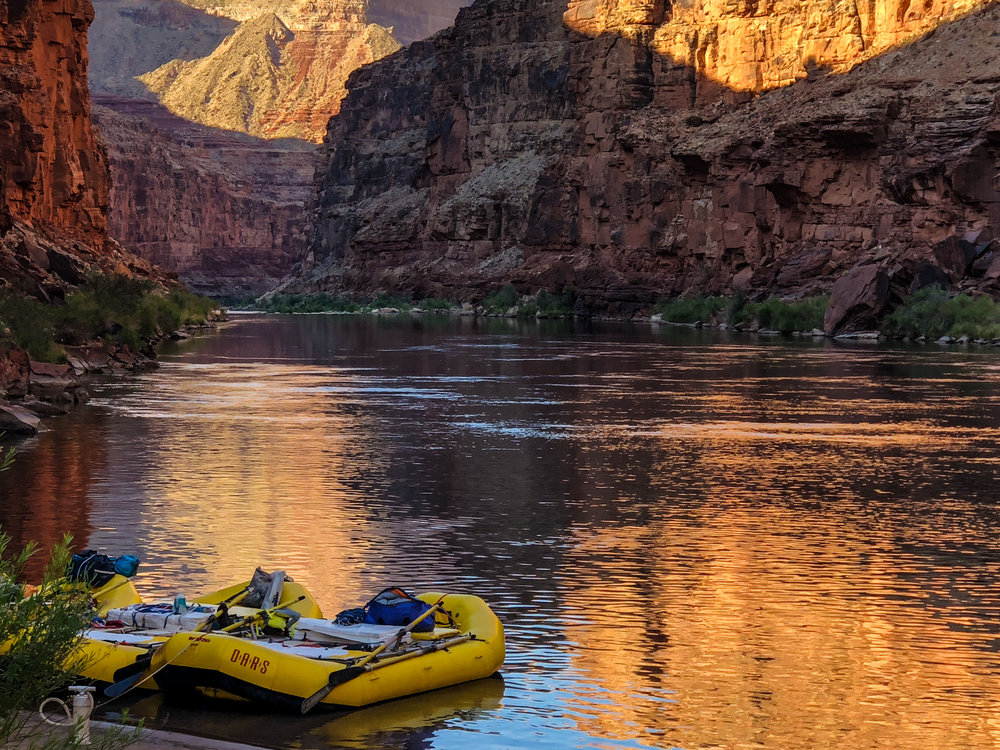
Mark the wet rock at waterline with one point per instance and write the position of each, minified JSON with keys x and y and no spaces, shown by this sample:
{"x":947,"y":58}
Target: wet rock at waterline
{"x":17,"y":419}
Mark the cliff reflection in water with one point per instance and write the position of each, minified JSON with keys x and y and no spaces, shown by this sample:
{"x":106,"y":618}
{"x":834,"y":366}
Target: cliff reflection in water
{"x":693,"y":540}
{"x":46,"y":493}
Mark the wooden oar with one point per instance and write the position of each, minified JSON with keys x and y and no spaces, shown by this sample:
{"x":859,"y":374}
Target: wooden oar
{"x":430,"y":648}
{"x":349,"y":673}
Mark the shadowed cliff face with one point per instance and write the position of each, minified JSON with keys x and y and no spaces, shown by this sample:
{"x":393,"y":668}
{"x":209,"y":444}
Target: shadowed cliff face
{"x":230,"y":223}
{"x":516,"y":149}
{"x":53,"y":172}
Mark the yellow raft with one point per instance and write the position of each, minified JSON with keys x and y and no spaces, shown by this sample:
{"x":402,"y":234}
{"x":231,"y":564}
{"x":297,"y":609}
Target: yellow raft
{"x":115,"y":654}
{"x":324,"y":663}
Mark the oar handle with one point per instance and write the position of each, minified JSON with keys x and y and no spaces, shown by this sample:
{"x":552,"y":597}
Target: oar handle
{"x":223,"y":608}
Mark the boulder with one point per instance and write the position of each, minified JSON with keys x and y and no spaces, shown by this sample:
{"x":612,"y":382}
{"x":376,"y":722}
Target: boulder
{"x":49,"y":381}
{"x":15,"y":370}
{"x":17,"y":419}
{"x":858,"y":300}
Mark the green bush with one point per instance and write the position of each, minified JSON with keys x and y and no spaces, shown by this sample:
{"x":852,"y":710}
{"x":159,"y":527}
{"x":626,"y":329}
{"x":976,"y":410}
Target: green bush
{"x":388,"y":300}
{"x":789,"y":316}
{"x":113,"y":308}
{"x":933,"y":313}
{"x":32,"y":326}
{"x":691,"y":310}
{"x":39,"y":636}
{"x":502,"y":300}
{"x":435,"y":303}
{"x":786,"y":316}
{"x":311,"y":303}
{"x":556,"y":306}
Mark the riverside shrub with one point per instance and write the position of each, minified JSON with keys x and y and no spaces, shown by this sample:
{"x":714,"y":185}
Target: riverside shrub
{"x":786,"y":316}
{"x":38,"y":637}
{"x":116,"y":309}
{"x":932,"y":312}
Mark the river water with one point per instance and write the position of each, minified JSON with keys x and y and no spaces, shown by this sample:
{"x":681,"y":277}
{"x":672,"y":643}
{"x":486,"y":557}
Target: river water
{"x":694,"y":540}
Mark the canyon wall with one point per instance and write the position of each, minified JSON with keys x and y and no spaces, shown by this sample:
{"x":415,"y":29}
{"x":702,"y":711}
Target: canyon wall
{"x":54,"y":178}
{"x":642,"y":149}
{"x":55,"y":173}
{"x":222,"y":210}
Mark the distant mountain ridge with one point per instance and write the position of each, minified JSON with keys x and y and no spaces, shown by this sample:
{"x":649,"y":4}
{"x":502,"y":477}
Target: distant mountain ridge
{"x":280,"y":72}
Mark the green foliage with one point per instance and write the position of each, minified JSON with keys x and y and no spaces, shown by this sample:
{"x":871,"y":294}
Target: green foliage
{"x":933,"y":313}
{"x":388,"y":300}
{"x":435,"y":303}
{"x":786,"y":316}
{"x":312,"y":303}
{"x":556,"y":306}
{"x":789,"y":316}
{"x":126,"y":310}
{"x":502,"y":300}
{"x":114,"y":308}
{"x":690,"y":310}
{"x":32,"y":326}
{"x":38,"y":638}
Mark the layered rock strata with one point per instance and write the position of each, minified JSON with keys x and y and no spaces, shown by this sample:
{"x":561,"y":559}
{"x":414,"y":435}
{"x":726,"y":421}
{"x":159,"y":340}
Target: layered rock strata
{"x":222,"y":210}
{"x":53,"y":171}
{"x":556,"y":146}
{"x":280,"y":74}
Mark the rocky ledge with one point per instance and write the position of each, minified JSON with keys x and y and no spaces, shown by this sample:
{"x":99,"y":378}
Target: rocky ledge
{"x":32,"y":390}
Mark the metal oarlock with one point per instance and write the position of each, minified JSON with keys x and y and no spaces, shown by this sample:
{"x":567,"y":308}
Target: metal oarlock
{"x":78,"y":716}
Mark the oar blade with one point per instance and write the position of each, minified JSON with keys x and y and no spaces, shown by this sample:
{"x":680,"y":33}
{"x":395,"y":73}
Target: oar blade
{"x":335,"y":680}
{"x":128,"y":676}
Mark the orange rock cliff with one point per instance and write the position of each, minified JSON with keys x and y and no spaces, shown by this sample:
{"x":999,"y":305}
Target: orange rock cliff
{"x":631,"y":150}
{"x":54,"y":178}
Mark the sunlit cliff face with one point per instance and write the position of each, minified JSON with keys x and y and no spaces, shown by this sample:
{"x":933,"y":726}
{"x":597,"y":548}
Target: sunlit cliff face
{"x":740,"y":46}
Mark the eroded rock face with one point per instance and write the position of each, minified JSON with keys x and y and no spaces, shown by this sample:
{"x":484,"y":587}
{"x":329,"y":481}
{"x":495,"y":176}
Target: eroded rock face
{"x":54,"y":171}
{"x":54,"y":177}
{"x":223,"y":210}
{"x":711,"y":49}
{"x":548,"y":145}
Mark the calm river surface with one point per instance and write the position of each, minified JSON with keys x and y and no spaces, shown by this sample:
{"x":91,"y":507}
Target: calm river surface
{"x":694,"y":540}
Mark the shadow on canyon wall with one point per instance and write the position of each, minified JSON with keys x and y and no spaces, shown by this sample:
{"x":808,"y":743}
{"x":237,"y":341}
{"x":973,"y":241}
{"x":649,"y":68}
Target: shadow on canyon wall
{"x":128,"y":39}
{"x":514,"y":150}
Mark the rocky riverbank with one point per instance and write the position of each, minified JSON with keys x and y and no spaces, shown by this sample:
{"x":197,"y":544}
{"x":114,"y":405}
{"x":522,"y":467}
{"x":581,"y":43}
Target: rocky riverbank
{"x":31,"y":391}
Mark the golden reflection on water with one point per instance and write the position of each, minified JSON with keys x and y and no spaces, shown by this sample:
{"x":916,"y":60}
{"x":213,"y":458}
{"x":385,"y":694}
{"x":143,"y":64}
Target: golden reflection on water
{"x":742,"y":624}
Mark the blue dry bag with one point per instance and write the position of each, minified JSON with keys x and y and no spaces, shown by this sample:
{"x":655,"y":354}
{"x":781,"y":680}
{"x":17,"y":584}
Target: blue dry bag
{"x":127,"y":565}
{"x":395,"y":607}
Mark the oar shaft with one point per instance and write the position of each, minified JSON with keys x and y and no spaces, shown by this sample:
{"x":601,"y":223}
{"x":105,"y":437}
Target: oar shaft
{"x":439,"y":646}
